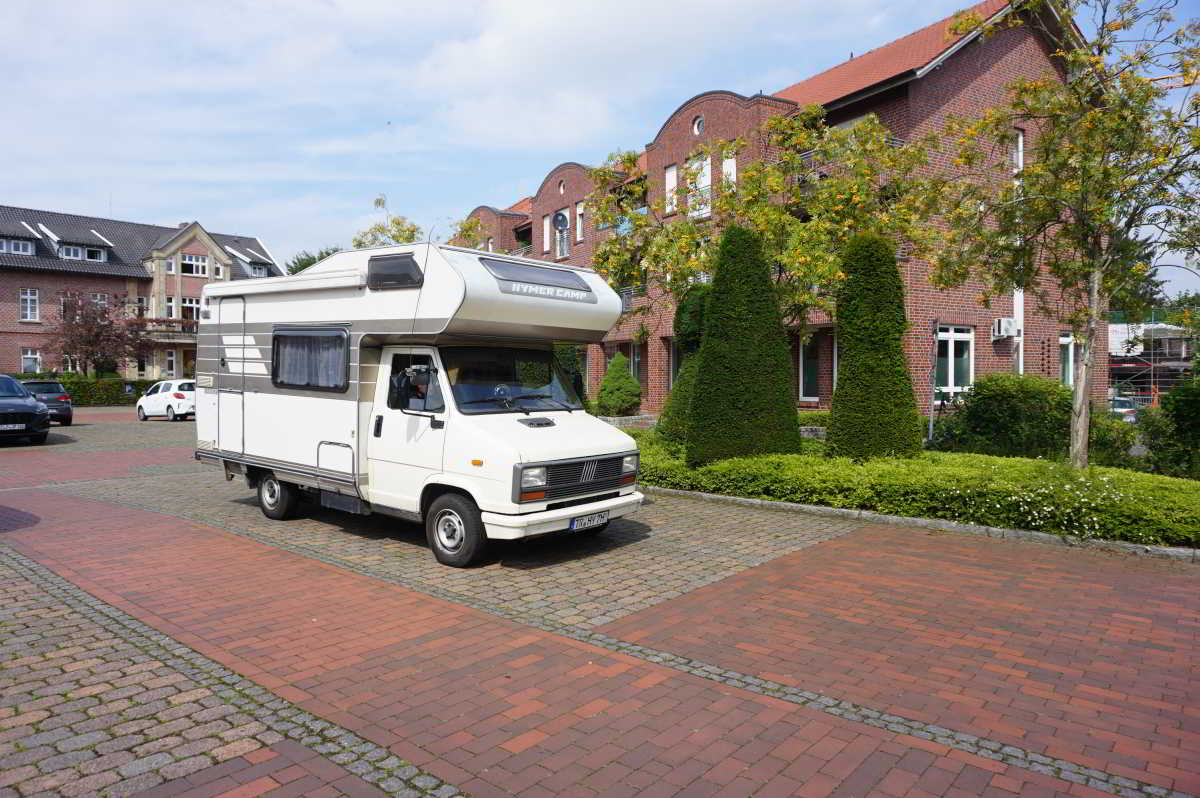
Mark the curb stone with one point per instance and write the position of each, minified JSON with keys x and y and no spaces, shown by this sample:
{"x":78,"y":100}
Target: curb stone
{"x":1175,"y":553}
{"x":374,"y":763}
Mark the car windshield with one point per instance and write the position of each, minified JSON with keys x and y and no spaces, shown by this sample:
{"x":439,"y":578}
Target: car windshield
{"x":502,"y":380}
{"x":1122,"y":404}
{"x":45,"y":387}
{"x":10,"y":387}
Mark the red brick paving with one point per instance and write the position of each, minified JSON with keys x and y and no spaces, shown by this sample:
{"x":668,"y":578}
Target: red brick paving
{"x":492,"y":706}
{"x":1079,"y":655}
{"x":38,"y":465}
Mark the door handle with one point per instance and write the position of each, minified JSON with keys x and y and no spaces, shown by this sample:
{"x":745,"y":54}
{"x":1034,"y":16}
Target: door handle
{"x":378,"y":425}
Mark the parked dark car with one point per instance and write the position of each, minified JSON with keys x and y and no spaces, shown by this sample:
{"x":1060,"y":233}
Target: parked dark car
{"x":54,"y":396}
{"x":21,"y":414}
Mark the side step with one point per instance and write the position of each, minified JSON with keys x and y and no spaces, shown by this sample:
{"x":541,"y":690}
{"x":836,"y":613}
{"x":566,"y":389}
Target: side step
{"x":340,"y":501}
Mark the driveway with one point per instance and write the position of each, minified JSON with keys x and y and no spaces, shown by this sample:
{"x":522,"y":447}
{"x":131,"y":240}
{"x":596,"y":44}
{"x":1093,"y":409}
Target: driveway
{"x":159,"y":636}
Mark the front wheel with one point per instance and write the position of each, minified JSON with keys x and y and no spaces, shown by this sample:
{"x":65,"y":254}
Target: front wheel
{"x":141,"y":413}
{"x":454,"y":530}
{"x":66,"y":422}
{"x":277,"y":499}
{"x":38,"y":439}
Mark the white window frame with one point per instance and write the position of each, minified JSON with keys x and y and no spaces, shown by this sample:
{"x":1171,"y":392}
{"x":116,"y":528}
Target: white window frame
{"x":100,"y":300}
{"x":70,"y":364}
{"x":186,"y":302}
{"x":170,"y":367}
{"x":35,"y":355}
{"x":952,"y":333}
{"x":258,"y":270}
{"x":170,"y":264}
{"x":31,"y":306}
{"x":218,"y":271}
{"x":197,"y":263}
{"x":729,"y":169}
{"x":1018,"y":151}
{"x":101,"y":254}
{"x":546,"y":233}
{"x":1067,"y":342}
{"x":635,"y":360}
{"x":562,"y":238}
{"x":170,"y":307}
{"x":670,"y":186}
{"x":800,"y":374}
{"x":578,"y":221}
{"x":16,"y":247}
{"x":700,"y":195}
{"x":70,"y":252}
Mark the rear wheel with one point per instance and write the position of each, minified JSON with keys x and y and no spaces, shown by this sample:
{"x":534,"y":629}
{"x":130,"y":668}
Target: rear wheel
{"x":454,"y":530}
{"x":170,"y":413}
{"x":66,"y":422}
{"x":141,"y":413}
{"x":277,"y":499}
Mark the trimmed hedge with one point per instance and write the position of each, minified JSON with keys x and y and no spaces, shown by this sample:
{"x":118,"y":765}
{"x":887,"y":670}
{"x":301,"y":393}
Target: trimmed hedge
{"x":620,"y":394}
{"x":743,"y":402}
{"x":91,"y":392}
{"x":1017,"y":493}
{"x":689,"y":317}
{"x":813,"y":418}
{"x":874,"y":409}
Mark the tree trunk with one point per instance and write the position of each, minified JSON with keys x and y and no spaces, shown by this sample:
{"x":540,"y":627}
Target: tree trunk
{"x":1081,"y":401}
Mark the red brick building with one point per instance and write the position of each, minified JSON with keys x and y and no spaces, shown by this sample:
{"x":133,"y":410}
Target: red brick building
{"x":158,"y":272}
{"x":913,"y":85}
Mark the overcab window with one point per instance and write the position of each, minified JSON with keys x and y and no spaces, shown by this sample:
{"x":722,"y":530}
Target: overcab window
{"x":315,"y":360}
{"x":386,"y":272}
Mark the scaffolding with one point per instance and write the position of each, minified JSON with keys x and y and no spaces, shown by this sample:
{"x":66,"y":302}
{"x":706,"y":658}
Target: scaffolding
{"x":1147,"y":358}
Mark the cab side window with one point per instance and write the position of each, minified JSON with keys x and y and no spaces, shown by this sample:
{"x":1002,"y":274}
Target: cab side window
{"x":426,"y":386}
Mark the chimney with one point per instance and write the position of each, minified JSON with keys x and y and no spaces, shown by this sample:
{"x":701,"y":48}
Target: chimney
{"x":183,"y":225}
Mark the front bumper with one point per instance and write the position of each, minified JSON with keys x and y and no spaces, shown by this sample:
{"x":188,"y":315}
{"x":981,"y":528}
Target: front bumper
{"x":34,"y":427}
{"x":499,"y":526}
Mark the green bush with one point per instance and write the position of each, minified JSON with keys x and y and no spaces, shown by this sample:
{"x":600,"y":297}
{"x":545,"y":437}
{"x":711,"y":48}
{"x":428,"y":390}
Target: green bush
{"x":745,"y":403}
{"x":689,"y":317}
{"x":813,"y":418}
{"x":674,"y":420}
{"x":1110,"y":440}
{"x":1166,"y":452}
{"x":620,"y":394}
{"x":1182,"y":407}
{"x":874,"y":409}
{"x":1009,"y":415}
{"x":91,"y":393}
{"x":1018,"y":493}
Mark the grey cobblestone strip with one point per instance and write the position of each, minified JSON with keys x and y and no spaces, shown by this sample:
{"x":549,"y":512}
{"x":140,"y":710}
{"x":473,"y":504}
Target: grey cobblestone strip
{"x":274,"y":718}
{"x":980,"y":746}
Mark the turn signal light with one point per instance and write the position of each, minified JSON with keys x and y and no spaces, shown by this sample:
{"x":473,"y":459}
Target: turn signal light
{"x":532,"y":495}
{"x":628,"y":479}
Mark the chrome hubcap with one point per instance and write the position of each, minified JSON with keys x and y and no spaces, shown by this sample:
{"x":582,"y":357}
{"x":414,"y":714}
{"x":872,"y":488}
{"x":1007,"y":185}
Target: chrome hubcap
{"x":448,"y":527}
{"x":271,"y":492}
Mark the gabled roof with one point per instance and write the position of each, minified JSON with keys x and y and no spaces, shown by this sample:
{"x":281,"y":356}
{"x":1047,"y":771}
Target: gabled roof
{"x":907,"y":56}
{"x":128,"y":243}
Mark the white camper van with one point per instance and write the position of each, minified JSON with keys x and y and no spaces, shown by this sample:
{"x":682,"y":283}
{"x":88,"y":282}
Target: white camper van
{"x":416,"y":381}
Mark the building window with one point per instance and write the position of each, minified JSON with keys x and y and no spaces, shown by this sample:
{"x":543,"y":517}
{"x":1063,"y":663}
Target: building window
{"x":699,"y":198}
{"x":141,"y":366}
{"x":809,"y":390}
{"x":95,"y":254}
{"x":170,"y":265}
{"x":20,"y":247}
{"x":311,"y":359}
{"x":258,"y":271}
{"x":490,"y":242}
{"x":545,"y":234}
{"x":218,"y":270}
{"x":170,"y":363}
{"x":195,"y":265}
{"x":697,"y":126}
{"x":73,"y":253}
{"x":635,"y":360}
{"x":1018,"y":153}
{"x":729,"y":169}
{"x":676,"y":363}
{"x":190,"y":305}
{"x":955,"y":369}
{"x":170,"y":307}
{"x":142,"y":307}
{"x":562,"y":235}
{"x":1068,"y":351}
{"x":30,"y":309}
{"x":670,"y":185}
{"x":578,"y":221}
{"x":100,"y":300}
{"x":31,"y":361}
{"x":562,"y":186}
{"x":70,"y":364}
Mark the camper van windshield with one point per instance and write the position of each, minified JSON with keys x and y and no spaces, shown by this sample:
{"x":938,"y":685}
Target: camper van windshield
{"x":495,"y":380}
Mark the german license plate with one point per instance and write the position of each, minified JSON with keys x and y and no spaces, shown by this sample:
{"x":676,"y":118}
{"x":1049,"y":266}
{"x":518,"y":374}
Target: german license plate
{"x":588,"y":521}
{"x":11,"y":426}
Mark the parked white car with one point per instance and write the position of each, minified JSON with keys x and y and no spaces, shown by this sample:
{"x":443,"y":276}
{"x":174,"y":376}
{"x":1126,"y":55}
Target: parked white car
{"x":174,"y":399}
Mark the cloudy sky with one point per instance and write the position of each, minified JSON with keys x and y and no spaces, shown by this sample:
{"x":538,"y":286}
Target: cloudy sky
{"x":285,"y":118}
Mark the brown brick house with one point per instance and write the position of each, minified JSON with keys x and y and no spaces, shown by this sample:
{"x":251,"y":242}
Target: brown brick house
{"x":913,"y":85}
{"x":159,"y":271}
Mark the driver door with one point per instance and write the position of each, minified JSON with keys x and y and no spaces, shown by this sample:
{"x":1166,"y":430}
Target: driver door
{"x":404,"y":448}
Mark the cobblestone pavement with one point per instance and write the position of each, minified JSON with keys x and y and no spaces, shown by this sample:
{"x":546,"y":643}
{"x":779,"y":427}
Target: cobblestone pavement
{"x":662,"y":657}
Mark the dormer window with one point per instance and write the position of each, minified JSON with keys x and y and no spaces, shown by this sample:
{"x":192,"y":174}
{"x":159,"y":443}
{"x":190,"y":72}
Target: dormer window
{"x":195,"y":265}
{"x":15,"y":247}
{"x":258,"y":271}
{"x":70,"y":252}
{"x":97,"y":254}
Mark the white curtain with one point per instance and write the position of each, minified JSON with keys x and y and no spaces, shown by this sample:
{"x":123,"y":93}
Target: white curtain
{"x":311,"y":361}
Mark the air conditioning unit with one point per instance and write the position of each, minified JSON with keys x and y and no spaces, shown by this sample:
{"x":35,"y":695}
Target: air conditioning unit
{"x":1005,"y":328}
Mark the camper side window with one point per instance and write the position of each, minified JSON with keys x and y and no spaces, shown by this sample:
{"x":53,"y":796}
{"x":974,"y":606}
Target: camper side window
{"x":316,"y":360}
{"x":385,"y":272}
{"x":425,"y":393}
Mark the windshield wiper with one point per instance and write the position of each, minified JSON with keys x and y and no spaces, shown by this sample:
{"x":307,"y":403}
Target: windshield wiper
{"x":504,"y":399}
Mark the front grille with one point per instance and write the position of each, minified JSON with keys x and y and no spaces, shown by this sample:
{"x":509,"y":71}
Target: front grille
{"x":16,"y":418}
{"x":583,"y":476}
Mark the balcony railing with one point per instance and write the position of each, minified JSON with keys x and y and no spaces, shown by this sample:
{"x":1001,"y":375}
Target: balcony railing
{"x":627,"y":295}
{"x":523,"y":252}
{"x":171,"y":330}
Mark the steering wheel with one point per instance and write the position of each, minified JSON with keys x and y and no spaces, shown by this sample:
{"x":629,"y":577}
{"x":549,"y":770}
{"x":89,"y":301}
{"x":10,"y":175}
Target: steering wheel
{"x":502,"y":391}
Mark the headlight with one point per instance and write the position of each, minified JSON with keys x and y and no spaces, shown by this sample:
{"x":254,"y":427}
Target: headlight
{"x":533,"y":478}
{"x":629,"y":464}
{"x":41,"y":408}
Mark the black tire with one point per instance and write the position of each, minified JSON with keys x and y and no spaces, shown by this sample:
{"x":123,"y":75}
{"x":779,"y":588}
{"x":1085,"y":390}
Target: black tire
{"x":277,"y":499}
{"x":141,"y":414}
{"x":170,"y":413}
{"x":454,"y":529}
{"x":66,"y":422}
{"x":37,"y":440}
